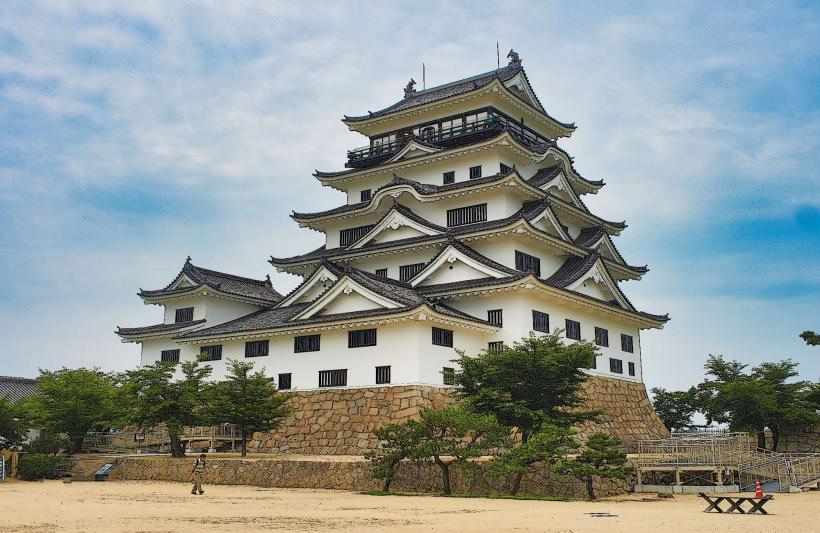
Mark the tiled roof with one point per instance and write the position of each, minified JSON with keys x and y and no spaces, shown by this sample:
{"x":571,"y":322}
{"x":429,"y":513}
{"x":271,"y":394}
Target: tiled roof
{"x":544,"y":175}
{"x":589,"y":236}
{"x":157,"y":328}
{"x":227,"y":283}
{"x":572,"y":269}
{"x":17,"y":388}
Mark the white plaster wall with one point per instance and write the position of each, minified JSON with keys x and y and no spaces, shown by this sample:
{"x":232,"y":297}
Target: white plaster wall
{"x":220,"y":310}
{"x":503,"y":251}
{"x":197,"y":302}
{"x":347,"y":303}
{"x":456,"y":271}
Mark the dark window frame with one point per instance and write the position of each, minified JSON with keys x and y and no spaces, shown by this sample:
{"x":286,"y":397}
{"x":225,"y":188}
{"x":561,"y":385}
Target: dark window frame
{"x":627,"y":343}
{"x":333,"y":378}
{"x":448,"y":375}
{"x":475,"y":172}
{"x":383,"y":375}
{"x":469,"y":214}
{"x":307,"y":343}
{"x":449,"y":177}
{"x":213,"y":351}
{"x":381,"y":272}
{"x":284,"y":381}
{"x":573,"y":329}
{"x":616,"y":366}
{"x":537,"y":317}
{"x":527,"y":263}
{"x":504,"y":168}
{"x":408,"y":272}
{"x":442,"y":337}
{"x":495,"y":317}
{"x":361,"y":338}
{"x":365,"y":195}
{"x":350,"y":235}
{"x":259,"y":348}
{"x":601,"y":337}
{"x":495,"y":346}
{"x":169,"y":356}
{"x":183,"y":314}
{"x":630,"y":368}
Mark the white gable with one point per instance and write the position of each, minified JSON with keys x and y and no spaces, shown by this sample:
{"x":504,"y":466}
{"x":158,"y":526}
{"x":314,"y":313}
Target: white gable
{"x":344,"y":297}
{"x":607,"y":249}
{"x":518,"y":85}
{"x":182,"y":282}
{"x":559,"y":186}
{"x":411,"y":150}
{"x":598,"y":284}
{"x":393,"y":227}
{"x":548,"y":222}
{"x":315,"y":285}
{"x":453,"y":265}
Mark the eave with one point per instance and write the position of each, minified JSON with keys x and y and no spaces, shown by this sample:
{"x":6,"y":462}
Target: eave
{"x":201,"y":290}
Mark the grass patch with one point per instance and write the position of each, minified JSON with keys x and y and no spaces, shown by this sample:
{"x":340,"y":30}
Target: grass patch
{"x":471,"y":495}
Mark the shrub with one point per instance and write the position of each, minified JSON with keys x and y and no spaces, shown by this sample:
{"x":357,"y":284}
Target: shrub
{"x":35,"y":466}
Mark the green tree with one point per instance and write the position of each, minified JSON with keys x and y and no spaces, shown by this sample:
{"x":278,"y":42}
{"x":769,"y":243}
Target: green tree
{"x":454,"y":435}
{"x":548,"y":445}
{"x":151,"y":395}
{"x":73,"y":402}
{"x":396,"y":443}
{"x":601,"y":458}
{"x":792,"y":398}
{"x":249,"y":400}
{"x":48,"y":444}
{"x":811,"y":338}
{"x":674,"y":408}
{"x":13,"y":426}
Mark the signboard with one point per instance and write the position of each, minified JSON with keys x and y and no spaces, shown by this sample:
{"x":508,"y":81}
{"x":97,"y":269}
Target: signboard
{"x":139,"y":436}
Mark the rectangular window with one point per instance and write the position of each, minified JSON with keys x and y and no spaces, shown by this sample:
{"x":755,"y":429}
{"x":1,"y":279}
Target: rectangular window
{"x":505,"y":168}
{"x":449,"y":177}
{"x":495,"y":317}
{"x":443,"y":337}
{"x":366,"y":195}
{"x":495,"y":346}
{"x":284,"y":381}
{"x":573,"y":329}
{"x":361,"y":337}
{"x":601,"y":336}
{"x":185,"y":314}
{"x":333,"y":378}
{"x":306,"y":343}
{"x":540,"y":321}
{"x":631,"y":368}
{"x":351,"y":235}
{"x":408,"y":272}
{"x":382,"y":375}
{"x":211,"y":353}
{"x":169,"y":356}
{"x":256,"y":348}
{"x":616,"y":366}
{"x":475,"y":172}
{"x":381,"y":272}
{"x":466,"y":215}
{"x":626,"y":343}
{"x":527,"y":263}
{"x":594,"y":361}
{"x":448,"y":375}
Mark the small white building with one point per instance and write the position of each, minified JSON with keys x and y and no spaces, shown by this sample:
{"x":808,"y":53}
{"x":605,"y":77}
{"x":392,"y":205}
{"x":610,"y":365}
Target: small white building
{"x":463,"y":228}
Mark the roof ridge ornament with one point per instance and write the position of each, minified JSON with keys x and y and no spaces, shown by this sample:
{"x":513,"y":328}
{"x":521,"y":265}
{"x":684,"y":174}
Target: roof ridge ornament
{"x":515,"y":60}
{"x":409,"y":90}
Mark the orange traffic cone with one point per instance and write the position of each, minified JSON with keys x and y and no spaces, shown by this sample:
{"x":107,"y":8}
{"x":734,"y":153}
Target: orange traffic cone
{"x":758,"y":490}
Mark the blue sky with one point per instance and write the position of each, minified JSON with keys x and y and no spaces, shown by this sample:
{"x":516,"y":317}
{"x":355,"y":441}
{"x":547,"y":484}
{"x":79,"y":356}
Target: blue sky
{"x":133,"y":135}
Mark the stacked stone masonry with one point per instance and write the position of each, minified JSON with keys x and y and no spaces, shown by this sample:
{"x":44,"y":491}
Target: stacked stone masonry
{"x":341,"y":421}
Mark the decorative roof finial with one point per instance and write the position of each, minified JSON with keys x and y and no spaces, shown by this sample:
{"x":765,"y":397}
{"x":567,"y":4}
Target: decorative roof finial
{"x":188,"y":260}
{"x":267,"y":278}
{"x":515,"y":60}
{"x":409,"y":89}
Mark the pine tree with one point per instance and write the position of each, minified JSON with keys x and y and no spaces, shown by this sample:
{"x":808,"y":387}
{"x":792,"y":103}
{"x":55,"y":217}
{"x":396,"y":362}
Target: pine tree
{"x":601,"y":458}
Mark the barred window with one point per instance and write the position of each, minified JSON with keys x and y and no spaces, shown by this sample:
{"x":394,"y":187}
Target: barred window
{"x":382,"y":375}
{"x":408,"y":272}
{"x":616,"y":366}
{"x":186,"y":314}
{"x":475,"y":172}
{"x":443,"y":337}
{"x":466,"y":215}
{"x":256,"y":348}
{"x":594,"y":361}
{"x":306,"y":343}
{"x":449,"y":177}
{"x":211,"y":353}
{"x":169,"y":356}
{"x":495,"y":317}
{"x":361,"y":337}
{"x":631,"y":368}
{"x":540,"y":321}
{"x":601,"y":336}
{"x":351,"y":235}
{"x":284,"y":381}
{"x":505,"y":168}
{"x":366,"y":195}
{"x":495,"y":346}
{"x":527,"y":263}
{"x":573,"y":329}
{"x":381,"y":272}
{"x":333,"y":378}
{"x":626,"y":343}
{"x":448,"y":375}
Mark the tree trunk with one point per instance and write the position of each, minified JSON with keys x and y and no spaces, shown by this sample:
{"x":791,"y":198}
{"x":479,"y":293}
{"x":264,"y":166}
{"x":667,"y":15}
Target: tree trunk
{"x":590,"y":491}
{"x":761,"y":438}
{"x":177,"y":449}
{"x":244,"y":443}
{"x":77,"y":443}
{"x":386,"y":485}
{"x":445,"y":475}
{"x":516,"y":483}
{"x":775,"y":438}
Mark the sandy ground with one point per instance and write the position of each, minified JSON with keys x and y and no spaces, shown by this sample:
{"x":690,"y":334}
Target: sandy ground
{"x":135,"y":506}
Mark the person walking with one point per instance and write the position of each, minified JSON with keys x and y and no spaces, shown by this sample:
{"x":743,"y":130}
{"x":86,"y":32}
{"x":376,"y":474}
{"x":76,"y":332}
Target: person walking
{"x":197,"y":472}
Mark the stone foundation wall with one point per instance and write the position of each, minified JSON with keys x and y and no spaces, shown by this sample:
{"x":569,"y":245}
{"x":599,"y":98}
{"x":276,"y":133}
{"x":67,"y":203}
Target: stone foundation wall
{"x":343,"y":473}
{"x":797,"y":440}
{"x":341,"y":421}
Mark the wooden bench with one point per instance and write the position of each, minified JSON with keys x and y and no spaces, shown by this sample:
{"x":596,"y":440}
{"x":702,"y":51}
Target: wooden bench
{"x":736,"y":504}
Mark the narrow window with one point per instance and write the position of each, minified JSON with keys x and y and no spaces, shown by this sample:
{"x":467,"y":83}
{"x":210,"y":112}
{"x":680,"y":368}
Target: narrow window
{"x":443,"y":337}
{"x":466,"y":215}
{"x":169,"y":356}
{"x":284,"y":381}
{"x":540,"y":321}
{"x":382,"y":375}
{"x":306,"y":343}
{"x":495,"y":317}
{"x":626,"y":343}
{"x":381,"y":272}
{"x":256,"y":348}
{"x":527,"y":263}
{"x":601,"y":336}
{"x":475,"y":172}
{"x":505,"y":168}
{"x":361,"y":337}
{"x":631,"y":368}
{"x":449,"y":375}
{"x":333,"y":378}
{"x":186,"y":314}
{"x":616,"y":366}
{"x":573,"y":329}
{"x":211,"y":353}
{"x":594,"y":361}
{"x":408,"y":272}
{"x":449,"y":177}
{"x":495,"y":346}
{"x":351,"y":235}
{"x":366,"y":195}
